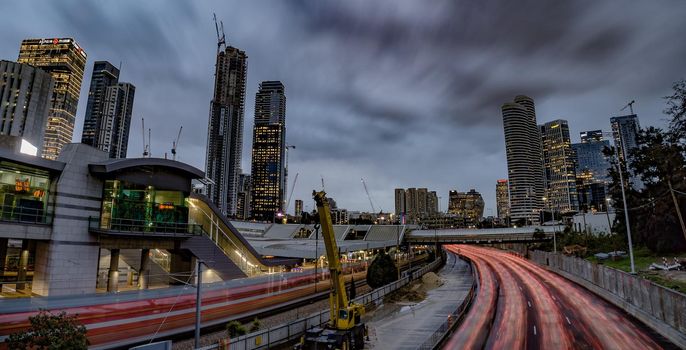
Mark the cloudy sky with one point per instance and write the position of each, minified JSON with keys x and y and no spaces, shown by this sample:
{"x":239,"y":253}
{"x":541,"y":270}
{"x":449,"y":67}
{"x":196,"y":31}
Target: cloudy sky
{"x":400,"y":93}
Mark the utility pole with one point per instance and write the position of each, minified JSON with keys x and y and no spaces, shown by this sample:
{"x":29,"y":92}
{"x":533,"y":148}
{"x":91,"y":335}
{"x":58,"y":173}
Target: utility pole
{"x":676,"y":205}
{"x":198,"y":302}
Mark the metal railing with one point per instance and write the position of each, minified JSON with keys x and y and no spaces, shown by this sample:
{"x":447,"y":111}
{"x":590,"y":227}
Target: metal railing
{"x":24,"y":215}
{"x":145,"y":227}
{"x":291,"y":331}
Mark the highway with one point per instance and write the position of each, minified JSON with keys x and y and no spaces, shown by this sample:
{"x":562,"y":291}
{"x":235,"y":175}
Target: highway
{"x":520,"y":305}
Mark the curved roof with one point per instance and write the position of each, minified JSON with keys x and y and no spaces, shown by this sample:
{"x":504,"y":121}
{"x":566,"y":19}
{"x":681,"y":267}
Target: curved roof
{"x":33,"y":161}
{"x":113,"y":165}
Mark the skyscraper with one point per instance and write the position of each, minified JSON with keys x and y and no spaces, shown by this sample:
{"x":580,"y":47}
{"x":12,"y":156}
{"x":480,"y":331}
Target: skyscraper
{"x":104,"y":75}
{"x":25,"y":94}
{"x":592,"y":168}
{"x":268,"y":151}
{"x":399,"y":201}
{"x":625,"y":132}
{"x":468,"y":206}
{"x":558,"y":160}
{"x":502,"y":199}
{"x":524,"y":159}
{"x":116,"y":123}
{"x":64,"y":59}
{"x":298,"y":207}
{"x":243,"y":211}
{"x":225,"y":129}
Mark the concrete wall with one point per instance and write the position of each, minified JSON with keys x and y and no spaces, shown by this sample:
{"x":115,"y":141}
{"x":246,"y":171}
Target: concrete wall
{"x":662,"y":309}
{"x":68,"y":263}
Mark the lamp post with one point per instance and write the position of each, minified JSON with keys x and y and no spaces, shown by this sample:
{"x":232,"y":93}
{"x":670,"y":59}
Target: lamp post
{"x":198,"y":302}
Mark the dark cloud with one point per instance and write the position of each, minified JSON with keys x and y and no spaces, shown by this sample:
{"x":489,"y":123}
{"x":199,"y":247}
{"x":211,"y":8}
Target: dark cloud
{"x":402,"y":93}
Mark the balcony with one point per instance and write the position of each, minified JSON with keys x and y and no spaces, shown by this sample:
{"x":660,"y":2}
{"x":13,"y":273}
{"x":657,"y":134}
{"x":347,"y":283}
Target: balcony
{"x":24,"y":215}
{"x":130,"y":227}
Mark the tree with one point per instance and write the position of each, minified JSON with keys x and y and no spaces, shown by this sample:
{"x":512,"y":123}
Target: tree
{"x":235,"y":329}
{"x":50,"y":331}
{"x":676,"y":110}
{"x":381,"y":271}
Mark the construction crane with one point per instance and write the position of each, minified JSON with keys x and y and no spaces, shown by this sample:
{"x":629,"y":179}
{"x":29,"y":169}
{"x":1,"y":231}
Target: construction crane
{"x":345,"y":329}
{"x":368,"y":196}
{"x":290,"y":195}
{"x":175,"y":144}
{"x":146,"y":147}
{"x":630,"y":105}
{"x":221,"y":38}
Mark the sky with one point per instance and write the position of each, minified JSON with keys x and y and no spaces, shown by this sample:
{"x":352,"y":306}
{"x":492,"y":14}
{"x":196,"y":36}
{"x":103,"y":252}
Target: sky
{"x":400,"y":93}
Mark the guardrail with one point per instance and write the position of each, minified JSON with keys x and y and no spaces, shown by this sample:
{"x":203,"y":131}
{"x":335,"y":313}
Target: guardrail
{"x":143,"y":227}
{"x":267,"y":338}
{"x":24,"y":215}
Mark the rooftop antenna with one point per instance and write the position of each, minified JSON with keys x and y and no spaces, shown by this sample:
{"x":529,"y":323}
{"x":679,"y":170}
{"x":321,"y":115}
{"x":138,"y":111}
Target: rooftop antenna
{"x":145,"y":145}
{"x":630,"y":105}
{"x":175,"y":144}
{"x":221,"y":38}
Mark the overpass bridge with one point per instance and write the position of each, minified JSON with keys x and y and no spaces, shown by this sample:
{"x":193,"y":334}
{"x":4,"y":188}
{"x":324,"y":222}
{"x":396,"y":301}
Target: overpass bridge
{"x":482,"y":236}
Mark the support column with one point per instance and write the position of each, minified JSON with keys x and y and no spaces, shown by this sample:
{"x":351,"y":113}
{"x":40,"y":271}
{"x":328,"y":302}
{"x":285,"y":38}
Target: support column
{"x":113,"y":276}
{"x":3,"y":254}
{"x":23,"y":264}
{"x":144,"y":272}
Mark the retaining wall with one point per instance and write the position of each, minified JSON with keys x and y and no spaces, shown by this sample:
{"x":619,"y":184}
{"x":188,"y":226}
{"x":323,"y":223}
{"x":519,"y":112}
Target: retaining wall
{"x":662,"y":309}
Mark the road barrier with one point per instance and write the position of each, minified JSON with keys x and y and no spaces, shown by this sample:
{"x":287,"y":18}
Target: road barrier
{"x":291,"y":331}
{"x":662,"y":309}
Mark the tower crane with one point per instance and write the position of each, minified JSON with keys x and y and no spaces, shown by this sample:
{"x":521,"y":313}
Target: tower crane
{"x":630,"y":105}
{"x":221,"y":38}
{"x":146,"y":146}
{"x":175,"y":143}
{"x":368,"y":196}
{"x":290,"y":195}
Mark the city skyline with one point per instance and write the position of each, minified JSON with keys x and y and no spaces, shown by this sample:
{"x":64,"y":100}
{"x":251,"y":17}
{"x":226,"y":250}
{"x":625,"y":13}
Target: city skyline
{"x":359,"y":115}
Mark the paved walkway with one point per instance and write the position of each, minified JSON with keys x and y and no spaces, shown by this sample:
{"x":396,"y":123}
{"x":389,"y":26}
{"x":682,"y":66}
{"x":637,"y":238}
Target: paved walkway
{"x":410,"y":326}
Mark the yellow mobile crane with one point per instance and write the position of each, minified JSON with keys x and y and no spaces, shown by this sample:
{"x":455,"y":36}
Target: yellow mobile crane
{"x":345,"y":329}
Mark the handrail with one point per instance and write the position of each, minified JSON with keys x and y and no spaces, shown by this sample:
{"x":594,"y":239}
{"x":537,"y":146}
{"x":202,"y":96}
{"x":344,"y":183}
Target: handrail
{"x":15,"y":213}
{"x":145,"y":227}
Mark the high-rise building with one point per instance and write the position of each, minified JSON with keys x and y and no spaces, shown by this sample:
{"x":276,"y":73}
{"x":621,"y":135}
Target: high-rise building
{"x":432,"y":203}
{"x":560,"y":172}
{"x":268,"y":151}
{"x":592,"y":170}
{"x":400,"y":201}
{"x":502,"y":199}
{"x":298,"y":207}
{"x":225,"y":129}
{"x":65,"y":60}
{"x":524,"y":159}
{"x":625,"y":132}
{"x":104,"y":75}
{"x":468,"y":206}
{"x":591,"y":136}
{"x":244,"y":196}
{"x":25,"y":94}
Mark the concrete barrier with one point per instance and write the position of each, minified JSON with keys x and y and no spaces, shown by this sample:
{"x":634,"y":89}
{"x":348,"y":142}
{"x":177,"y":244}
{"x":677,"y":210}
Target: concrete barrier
{"x":660,"y":308}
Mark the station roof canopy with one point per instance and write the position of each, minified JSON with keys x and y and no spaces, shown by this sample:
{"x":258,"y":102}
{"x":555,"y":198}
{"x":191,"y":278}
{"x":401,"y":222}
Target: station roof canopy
{"x":31,"y":161}
{"x":116,"y":165}
{"x":161,"y":173}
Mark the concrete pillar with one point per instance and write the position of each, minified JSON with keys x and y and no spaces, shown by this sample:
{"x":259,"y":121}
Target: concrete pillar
{"x":113,"y":276}
{"x":3,"y":254}
{"x":180,"y":267}
{"x":23,"y":264}
{"x":144,"y":272}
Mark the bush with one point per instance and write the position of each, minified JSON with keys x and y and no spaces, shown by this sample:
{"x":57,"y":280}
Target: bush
{"x":235,"y":329}
{"x":255,"y":325}
{"x":50,"y":331}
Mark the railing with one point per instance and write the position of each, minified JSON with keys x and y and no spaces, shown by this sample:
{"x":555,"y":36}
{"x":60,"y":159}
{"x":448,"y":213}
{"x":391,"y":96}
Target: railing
{"x":291,"y":331}
{"x":24,"y":215}
{"x":143,"y":227}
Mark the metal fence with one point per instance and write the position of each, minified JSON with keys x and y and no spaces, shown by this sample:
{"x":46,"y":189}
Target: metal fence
{"x":264,"y":339}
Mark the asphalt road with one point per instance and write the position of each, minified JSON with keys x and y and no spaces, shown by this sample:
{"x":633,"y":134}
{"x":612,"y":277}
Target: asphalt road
{"x":523,"y":306}
{"x":410,"y":326}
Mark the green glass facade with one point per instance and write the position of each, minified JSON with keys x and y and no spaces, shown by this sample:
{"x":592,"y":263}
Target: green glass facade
{"x":24,"y":193}
{"x":132,"y":207}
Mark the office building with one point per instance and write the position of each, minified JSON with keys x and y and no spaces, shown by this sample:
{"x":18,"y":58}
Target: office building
{"x":298,"y":207}
{"x":399,"y":201}
{"x":502,"y":199}
{"x":268,"y":151}
{"x":432,"y":203}
{"x":524,"y":159}
{"x":560,"y":173}
{"x":625,"y":132}
{"x":108,"y":112}
{"x":25,"y":94}
{"x":244,"y":197}
{"x":467,"y":206}
{"x":592,"y":170}
{"x":414,"y":204}
{"x":591,"y":136}
{"x":225,"y":129}
{"x":65,"y":60}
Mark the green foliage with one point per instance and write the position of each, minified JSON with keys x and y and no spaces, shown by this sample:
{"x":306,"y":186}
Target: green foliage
{"x":594,"y":243}
{"x":255,"y":325}
{"x":50,"y":331}
{"x":676,"y":109}
{"x":235,"y":329}
{"x":381,"y":271}
{"x":538,"y":234}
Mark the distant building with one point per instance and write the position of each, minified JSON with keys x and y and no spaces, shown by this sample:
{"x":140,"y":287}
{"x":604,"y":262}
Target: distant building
{"x":414,"y":204}
{"x":25,"y":94}
{"x":469,"y":206}
{"x":108,"y":112}
{"x":560,"y":173}
{"x":399,"y":201}
{"x":268,"y":151}
{"x":298,"y":207}
{"x":625,"y":131}
{"x":524,"y":159}
{"x":502,"y":199}
{"x":65,"y":60}
{"x":243,"y":211}
{"x":592,"y":170}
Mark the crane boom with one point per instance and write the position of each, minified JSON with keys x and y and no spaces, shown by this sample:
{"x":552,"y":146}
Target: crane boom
{"x":630,"y":105}
{"x":290,"y":195}
{"x":368,"y":196}
{"x":175,"y":143}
